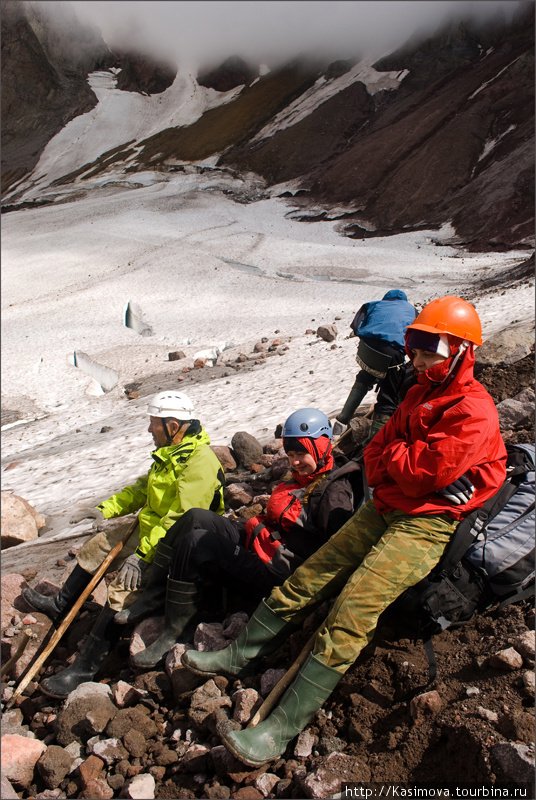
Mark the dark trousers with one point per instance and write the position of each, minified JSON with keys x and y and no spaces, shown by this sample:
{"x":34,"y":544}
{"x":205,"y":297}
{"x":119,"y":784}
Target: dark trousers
{"x":389,"y":387}
{"x":211,"y":547}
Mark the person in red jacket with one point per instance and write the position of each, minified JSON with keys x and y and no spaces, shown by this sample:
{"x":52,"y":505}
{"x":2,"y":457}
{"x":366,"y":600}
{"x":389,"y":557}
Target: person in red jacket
{"x":439,"y":456}
{"x":254,"y":556}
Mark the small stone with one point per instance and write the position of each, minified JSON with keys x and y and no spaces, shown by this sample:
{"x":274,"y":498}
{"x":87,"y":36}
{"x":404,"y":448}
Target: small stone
{"x":265,"y":783}
{"x":246,"y":703}
{"x":97,"y":789}
{"x":90,"y":769}
{"x":524,"y":644}
{"x":269,"y":679}
{"x":528,"y":683}
{"x":110,"y":750}
{"x":304,"y":745}
{"x":508,"y":659}
{"x":141,"y":787}
{"x":489,"y":716}
{"x":424,"y":706}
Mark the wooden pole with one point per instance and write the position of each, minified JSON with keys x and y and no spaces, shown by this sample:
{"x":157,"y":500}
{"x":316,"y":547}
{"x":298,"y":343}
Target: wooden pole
{"x":8,"y":666}
{"x":284,"y":683}
{"x":38,"y":663}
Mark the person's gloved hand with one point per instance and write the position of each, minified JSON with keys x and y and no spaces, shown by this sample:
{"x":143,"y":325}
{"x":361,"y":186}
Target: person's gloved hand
{"x":459,"y":491}
{"x":131,"y":572}
{"x":88,"y":513}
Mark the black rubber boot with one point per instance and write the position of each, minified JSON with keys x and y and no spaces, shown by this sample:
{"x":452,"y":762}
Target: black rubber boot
{"x":154,"y":594}
{"x":182,"y":602}
{"x":267,"y":741}
{"x":57,"y":606}
{"x":354,"y":399}
{"x":263,"y":634}
{"x":98,"y":644}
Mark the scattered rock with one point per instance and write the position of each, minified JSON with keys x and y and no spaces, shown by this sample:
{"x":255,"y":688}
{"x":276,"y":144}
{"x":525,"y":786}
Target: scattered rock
{"x":176,"y":355}
{"x":304,"y":745}
{"x":18,"y":758}
{"x":209,"y":637}
{"x":237,"y":495}
{"x":508,"y":659}
{"x":327,"y":332}
{"x":20,"y":521}
{"x":246,"y":701}
{"x":224,"y":457}
{"x":54,"y":765}
{"x":145,"y":633}
{"x":269,"y":679}
{"x":524,"y":644}
{"x":248,"y":450}
{"x":205,"y":700}
{"x":72,"y":725}
{"x":514,"y":761}
{"x":425,"y":706}
{"x":141,"y":787}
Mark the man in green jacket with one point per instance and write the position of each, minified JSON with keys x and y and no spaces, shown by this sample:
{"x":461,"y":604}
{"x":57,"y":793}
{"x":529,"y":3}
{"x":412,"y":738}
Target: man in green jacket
{"x":185,"y":474}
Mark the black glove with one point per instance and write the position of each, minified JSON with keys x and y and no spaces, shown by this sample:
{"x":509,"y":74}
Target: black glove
{"x":459,"y":491}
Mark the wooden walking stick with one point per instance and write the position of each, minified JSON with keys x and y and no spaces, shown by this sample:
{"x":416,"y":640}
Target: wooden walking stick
{"x":284,"y":683}
{"x":38,"y":663}
{"x":8,"y":666}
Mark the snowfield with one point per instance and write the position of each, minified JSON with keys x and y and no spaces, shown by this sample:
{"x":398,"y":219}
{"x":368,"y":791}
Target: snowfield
{"x":206,"y":272}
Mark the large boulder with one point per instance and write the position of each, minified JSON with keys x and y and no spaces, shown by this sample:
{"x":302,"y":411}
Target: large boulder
{"x":506,"y":347}
{"x":20,"y":522}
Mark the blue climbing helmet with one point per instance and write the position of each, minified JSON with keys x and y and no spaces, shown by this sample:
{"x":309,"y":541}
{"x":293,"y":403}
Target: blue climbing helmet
{"x":309,"y":422}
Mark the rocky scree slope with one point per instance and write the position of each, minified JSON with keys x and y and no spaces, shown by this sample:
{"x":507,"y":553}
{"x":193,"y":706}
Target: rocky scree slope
{"x":157,"y":733}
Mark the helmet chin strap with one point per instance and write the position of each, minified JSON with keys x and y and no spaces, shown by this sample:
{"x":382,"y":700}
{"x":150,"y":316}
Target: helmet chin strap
{"x":463,"y":347}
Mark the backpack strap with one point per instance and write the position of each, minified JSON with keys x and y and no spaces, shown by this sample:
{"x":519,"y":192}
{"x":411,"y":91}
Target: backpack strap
{"x":474,"y":523}
{"x":432,"y":672}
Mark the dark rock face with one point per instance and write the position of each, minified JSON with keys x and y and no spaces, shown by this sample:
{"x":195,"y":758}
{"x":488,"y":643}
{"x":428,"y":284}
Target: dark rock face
{"x":232,"y":73}
{"x":454,"y":143}
{"x":44,"y":83}
{"x":322,"y":134}
{"x":141,"y":73}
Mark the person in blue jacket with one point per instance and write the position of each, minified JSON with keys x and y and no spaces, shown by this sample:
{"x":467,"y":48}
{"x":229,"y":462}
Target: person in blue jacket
{"x":381,"y":325}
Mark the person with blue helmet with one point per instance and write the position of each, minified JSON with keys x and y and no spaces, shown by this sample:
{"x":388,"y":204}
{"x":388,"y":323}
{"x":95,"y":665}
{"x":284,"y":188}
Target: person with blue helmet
{"x":250,"y":557}
{"x":381,"y":328}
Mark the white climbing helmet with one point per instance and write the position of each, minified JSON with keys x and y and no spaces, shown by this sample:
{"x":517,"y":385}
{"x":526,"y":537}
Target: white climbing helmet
{"x":171,"y":404}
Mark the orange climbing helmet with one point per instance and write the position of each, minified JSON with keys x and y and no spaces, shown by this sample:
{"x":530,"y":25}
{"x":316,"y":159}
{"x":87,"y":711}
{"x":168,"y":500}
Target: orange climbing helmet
{"x":450,"y":315}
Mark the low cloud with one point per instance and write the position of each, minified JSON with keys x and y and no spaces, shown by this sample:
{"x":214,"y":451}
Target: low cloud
{"x":206,"y":32}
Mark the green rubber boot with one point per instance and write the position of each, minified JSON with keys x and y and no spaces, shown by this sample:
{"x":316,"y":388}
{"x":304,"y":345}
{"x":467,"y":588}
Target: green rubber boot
{"x":267,"y":741}
{"x":263,"y":634}
{"x":154,"y":594}
{"x":182,"y":603}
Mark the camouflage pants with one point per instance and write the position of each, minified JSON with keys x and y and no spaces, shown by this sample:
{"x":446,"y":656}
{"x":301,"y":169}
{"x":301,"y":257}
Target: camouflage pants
{"x":368,"y":563}
{"x":95,"y":551}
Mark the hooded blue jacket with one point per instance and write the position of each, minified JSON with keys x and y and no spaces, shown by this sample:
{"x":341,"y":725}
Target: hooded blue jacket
{"x":386,"y":319}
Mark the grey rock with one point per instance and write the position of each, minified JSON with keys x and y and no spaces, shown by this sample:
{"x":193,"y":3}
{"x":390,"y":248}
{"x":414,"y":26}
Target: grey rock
{"x":247,"y":449}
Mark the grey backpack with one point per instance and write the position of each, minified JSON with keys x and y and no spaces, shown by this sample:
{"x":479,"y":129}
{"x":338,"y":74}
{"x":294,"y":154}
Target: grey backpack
{"x":488,"y":562}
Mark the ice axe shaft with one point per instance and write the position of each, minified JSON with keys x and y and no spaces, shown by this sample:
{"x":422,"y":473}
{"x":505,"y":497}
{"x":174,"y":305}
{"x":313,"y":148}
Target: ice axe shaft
{"x":38,"y":663}
{"x":284,"y":683}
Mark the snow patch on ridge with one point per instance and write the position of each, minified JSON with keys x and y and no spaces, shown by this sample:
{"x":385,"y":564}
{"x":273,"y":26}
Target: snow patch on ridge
{"x":119,"y":117}
{"x":323,"y":89}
